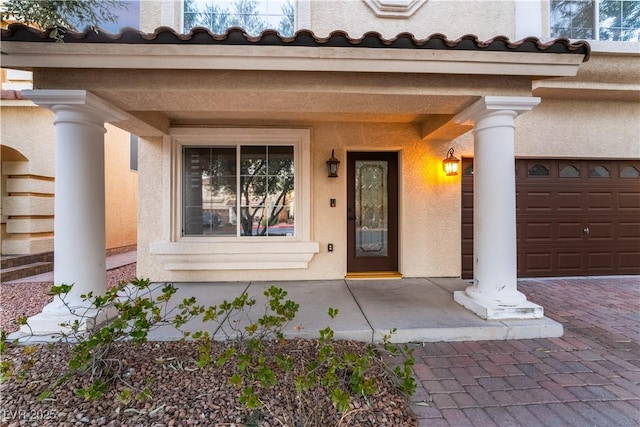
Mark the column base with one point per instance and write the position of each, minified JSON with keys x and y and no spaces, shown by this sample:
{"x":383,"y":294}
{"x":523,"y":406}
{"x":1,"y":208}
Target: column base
{"x":524,"y":310}
{"x":53,"y":326}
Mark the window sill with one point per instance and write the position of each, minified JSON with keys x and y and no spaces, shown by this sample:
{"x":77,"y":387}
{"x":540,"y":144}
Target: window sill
{"x":235,"y":256}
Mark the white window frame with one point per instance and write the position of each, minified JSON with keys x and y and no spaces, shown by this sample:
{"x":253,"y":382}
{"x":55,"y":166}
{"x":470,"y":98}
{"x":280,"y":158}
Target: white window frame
{"x":236,"y":252}
{"x":596,"y":22}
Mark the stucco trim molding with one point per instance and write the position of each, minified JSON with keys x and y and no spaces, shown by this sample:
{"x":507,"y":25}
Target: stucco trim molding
{"x":235,"y":256}
{"x":394,"y":8}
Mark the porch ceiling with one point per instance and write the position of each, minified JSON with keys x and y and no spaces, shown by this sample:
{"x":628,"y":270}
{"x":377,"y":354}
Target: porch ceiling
{"x":166,"y":79}
{"x":159,"y":99}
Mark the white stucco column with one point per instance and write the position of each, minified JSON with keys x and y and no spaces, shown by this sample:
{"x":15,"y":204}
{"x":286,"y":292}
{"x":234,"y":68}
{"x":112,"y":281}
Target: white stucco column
{"x":79,"y":223}
{"x":494,"y":293}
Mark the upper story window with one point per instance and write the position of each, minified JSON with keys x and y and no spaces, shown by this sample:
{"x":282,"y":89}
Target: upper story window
{"x":612,"y":20}
{"x":254,"y":16}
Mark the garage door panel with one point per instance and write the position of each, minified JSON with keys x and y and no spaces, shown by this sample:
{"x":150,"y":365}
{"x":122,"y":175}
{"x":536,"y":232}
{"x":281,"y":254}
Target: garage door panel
{"x":570,"y":201}
{"x":467,"y":200}
{"x":600,"y":261}
{"x":628,"y":261}
{"x":570,"y":231}
{"x":600,"y":201}
{"x":539,"y":231}
{"x":601,"y":231}
{"x":629,"y":231}
{"x":569,"y":262}
{"x":629,"y":202}
{"x":538,"y":201}
{"x":541,"y":263}
{"x":467,"y":233}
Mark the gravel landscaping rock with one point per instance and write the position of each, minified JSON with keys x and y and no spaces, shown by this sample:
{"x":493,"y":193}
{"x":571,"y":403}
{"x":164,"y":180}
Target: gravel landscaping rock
{"x":181,"y":394}
{"x":160,"y":384}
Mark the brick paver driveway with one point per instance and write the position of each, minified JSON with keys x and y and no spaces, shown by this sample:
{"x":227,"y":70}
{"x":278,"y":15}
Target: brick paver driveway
{"x":589,"y":377}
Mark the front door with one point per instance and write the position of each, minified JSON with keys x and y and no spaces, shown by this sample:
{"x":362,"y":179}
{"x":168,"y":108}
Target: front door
{"x":372,"y":212}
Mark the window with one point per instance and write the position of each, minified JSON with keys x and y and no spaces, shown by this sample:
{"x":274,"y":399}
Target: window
{"x":599,"y":171}
{"x":258,"y":181}
{"x":127,"y":14}
{"x":538,"y":170}
{"x":209,"y":171}
{"x":614,"y":20}
{"x":569,"y":171}
{"x":254,"y":16}
{"x":133,"y":152}
{"x":629,"y":172}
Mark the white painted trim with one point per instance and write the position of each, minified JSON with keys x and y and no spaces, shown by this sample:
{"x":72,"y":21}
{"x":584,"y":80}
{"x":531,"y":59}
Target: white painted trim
{"x":528,"y":19}
{"x":486,"y":104}
{"x":286,"y":58}
{"x":49,"y":98}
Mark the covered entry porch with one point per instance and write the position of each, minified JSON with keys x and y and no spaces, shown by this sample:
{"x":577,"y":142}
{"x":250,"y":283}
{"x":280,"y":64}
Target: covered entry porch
{"x":420,"y":309}
{"x":412,"y":97}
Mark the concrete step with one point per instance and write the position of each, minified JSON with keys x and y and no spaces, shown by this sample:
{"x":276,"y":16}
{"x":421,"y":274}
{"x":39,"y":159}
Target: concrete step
{"x":25,"y":270}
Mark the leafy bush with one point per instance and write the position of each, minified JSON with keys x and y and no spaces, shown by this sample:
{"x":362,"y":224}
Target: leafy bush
{"x":337,"y":372}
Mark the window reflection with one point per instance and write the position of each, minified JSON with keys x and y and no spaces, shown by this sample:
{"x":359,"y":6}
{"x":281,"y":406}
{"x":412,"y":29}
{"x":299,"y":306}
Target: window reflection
{"x":265,"y":185}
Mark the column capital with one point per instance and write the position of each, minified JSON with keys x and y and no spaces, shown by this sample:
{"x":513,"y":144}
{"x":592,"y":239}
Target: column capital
{"x":84,"y":100}
{"x":490,"y":104}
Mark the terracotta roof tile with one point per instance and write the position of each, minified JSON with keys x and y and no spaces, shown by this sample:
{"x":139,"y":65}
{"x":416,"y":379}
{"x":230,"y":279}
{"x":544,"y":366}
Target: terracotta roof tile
{"x":237,"y":36}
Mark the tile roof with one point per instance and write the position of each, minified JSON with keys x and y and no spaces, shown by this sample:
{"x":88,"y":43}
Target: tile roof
{"x":237,"y":36}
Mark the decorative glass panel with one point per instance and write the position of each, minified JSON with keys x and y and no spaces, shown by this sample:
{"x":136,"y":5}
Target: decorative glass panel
{"x":538,"y":170}
{"x":599,"y":172}
{"x":629,"y":172}
{"x":371,"y":208}
{"x":569,"y":171}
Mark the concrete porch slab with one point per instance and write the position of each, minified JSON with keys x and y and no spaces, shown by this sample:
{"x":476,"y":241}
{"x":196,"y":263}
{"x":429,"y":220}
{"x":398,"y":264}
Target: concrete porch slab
{"x":421,"y":309}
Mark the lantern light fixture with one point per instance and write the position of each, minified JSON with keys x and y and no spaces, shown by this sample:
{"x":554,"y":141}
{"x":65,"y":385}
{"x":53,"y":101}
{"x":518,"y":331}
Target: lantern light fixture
{"x":451,"y":164}
{"x":332,"y":165}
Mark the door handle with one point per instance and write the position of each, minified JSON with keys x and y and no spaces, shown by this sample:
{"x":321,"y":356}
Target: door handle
{"x":586,"y":231}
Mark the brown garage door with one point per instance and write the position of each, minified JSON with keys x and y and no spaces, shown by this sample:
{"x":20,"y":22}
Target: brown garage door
{"x":575,"y":217}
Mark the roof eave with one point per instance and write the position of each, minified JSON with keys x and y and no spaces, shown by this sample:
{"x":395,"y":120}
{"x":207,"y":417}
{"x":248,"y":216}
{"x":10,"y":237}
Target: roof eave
{"x":29,"y":55}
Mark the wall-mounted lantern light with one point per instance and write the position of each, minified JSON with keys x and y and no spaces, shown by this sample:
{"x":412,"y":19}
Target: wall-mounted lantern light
{"x":451,"y":164}
{"x":332,"y":165}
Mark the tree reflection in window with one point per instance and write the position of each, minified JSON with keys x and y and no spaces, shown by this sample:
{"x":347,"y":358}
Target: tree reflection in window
{"x":569,"y":171}
{"x":538,"y":170}
{"x":599,"y":172}
{"x":266,"y":190}
{"x":630,"y":172}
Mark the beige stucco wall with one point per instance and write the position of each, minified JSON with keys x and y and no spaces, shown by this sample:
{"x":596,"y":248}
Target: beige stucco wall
{"x":26,"y":178}
{"x":429,"y":206}
{"x":121,"y":185}
{"x":483,"y":18}
{"x":36,"y":142}
{"x":580,"y":129}
{"x":29,"y":130}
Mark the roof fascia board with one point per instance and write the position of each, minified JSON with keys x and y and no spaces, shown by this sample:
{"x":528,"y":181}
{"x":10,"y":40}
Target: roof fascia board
{"x":26,"y":55}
